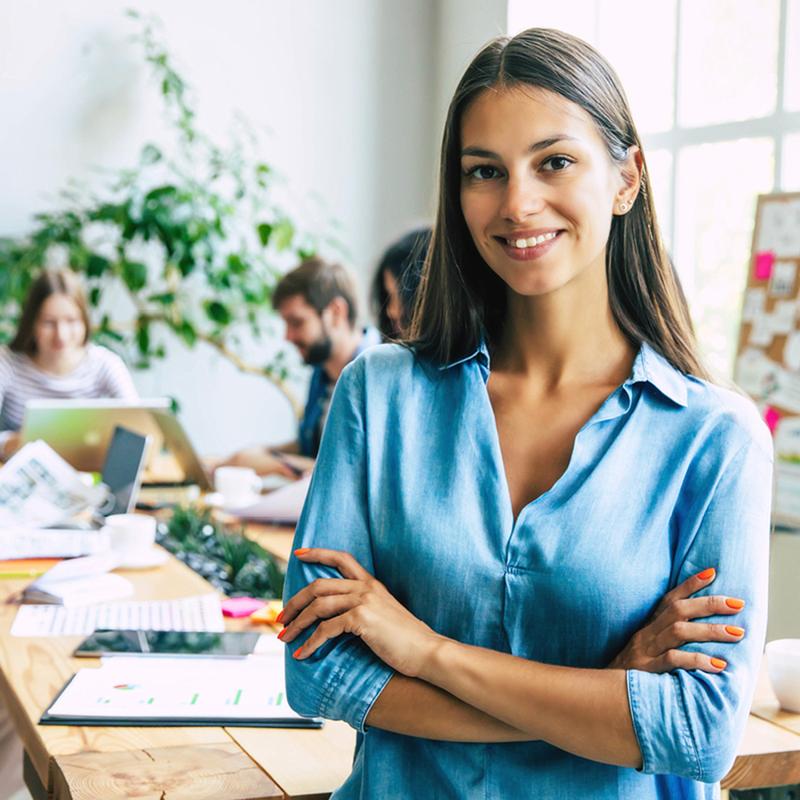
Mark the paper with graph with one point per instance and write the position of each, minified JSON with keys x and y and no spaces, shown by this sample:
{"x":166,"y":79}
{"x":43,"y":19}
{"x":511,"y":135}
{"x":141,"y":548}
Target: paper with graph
{"x":177,"y":691}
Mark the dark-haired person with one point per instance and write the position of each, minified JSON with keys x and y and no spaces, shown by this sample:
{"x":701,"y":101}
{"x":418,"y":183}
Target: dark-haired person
{"x":533,"y":559}
{"x":396,"y":280}
{"x":51,"y":355}
{"x":318,"y":304}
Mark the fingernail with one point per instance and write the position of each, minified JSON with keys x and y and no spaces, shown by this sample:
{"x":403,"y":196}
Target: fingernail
{"x":734,"y":630}
{"x":707,"y":574}
{"x":301,"y":551}
{"x":282,"y":633}
{"x":734,"y":602}
{"x":279,"y":618}
{"x":297,"y":652}
{"x":718,"y":663}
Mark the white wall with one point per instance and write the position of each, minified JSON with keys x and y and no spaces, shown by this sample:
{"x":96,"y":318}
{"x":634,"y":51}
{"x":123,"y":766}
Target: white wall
{"x":346,"y":88}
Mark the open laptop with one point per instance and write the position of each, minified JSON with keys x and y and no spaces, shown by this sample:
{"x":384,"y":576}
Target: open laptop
{"x":122,"y":470}
{"x":80,"y":431}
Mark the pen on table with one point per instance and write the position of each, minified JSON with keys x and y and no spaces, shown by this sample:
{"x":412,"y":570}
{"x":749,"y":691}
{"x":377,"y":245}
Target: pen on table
{"x":279,"y":456}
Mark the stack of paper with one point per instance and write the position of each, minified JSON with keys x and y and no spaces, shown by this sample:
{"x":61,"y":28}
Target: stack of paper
{"x":24,"y":542}
{"x":78,"y":582}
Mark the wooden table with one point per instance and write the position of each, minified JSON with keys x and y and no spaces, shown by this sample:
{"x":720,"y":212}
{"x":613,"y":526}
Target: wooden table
{"x":191,"y":763}
{"x":79,"y":763}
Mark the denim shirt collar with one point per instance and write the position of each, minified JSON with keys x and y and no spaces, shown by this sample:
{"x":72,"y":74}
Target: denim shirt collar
{"x":649,"y":367}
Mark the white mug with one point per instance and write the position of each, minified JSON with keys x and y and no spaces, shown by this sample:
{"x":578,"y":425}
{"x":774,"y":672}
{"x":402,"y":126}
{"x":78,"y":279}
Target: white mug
{"x":239,"y":486}
{"x":783,"y":665}
{"x":130,"y":535}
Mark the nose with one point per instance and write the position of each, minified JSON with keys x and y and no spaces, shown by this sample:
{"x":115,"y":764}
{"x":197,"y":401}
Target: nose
{"x":523,"y":197}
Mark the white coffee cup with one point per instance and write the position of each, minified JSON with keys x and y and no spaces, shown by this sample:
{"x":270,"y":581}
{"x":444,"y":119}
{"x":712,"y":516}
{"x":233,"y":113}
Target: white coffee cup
{"x":783,"y":666}
{"x":239,"y":486}
{"x":130,"y":536}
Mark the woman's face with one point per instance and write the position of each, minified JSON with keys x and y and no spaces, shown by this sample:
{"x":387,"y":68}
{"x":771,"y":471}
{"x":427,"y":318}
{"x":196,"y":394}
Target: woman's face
{"x":538,"y":188}
{"x":59,"y":328}
{"x":394,"y":305}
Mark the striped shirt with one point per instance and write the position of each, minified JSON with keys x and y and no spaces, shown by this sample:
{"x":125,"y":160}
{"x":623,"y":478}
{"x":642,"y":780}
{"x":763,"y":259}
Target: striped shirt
{"x":100,"y":373}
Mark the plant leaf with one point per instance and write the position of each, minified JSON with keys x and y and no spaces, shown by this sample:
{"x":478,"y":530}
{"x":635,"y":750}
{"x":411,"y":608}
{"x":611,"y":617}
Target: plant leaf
{"x":264,"y":232}
{"x":218,"y":312}
{"x":134,"y":274}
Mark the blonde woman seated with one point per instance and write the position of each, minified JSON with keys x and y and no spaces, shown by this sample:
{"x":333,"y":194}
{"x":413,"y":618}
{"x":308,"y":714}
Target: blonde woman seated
{"x":51,"y":356}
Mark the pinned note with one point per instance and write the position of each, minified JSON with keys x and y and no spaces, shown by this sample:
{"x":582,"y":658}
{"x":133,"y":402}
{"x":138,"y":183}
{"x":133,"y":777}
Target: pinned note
{"x":791,"y":351}
{"x":772,"y":417}
{"x":762,"y":266}
{"x":784,"y":275}
{"x":754,"y":303}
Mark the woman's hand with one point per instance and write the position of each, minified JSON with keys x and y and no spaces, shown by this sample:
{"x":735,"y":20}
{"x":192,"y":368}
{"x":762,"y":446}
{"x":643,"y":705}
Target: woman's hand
{"x":356,"y":603}
{"x":654,"y":648}
{"x":12,"y":443}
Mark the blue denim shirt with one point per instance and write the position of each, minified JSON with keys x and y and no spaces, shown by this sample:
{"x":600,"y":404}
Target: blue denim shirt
{"x":671,"y":475}
{"x":312,"y":422}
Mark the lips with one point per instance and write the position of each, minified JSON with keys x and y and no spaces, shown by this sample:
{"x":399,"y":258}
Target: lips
{"x":526,"y":239}
{"x":531,"y":246}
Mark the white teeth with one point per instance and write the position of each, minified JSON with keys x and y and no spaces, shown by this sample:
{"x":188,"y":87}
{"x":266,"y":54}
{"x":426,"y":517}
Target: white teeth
{"x":532,"y":241}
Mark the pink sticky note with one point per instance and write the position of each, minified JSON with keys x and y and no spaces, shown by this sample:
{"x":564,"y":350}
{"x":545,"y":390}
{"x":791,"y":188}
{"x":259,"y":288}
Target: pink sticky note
{"x":762,"y":266}
{"x":241,"y":606}
{"x":771,"y":417}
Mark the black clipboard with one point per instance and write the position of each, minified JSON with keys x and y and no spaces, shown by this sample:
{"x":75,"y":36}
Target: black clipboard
{"x":175,"y":722}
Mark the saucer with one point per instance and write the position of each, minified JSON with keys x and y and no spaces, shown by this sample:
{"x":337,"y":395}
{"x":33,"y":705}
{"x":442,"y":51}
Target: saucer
{"x":146,"y":559}
{"x":245,"y":501}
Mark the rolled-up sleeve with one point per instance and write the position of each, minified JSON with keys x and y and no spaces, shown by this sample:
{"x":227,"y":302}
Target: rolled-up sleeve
{"x":343,"y":678}
{"x":689,"y":722}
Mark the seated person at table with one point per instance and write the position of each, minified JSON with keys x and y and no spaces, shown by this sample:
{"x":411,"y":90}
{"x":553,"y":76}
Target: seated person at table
{"x":395,"y":283}
{"x":51,"y":355}
{"x":317,"y":301}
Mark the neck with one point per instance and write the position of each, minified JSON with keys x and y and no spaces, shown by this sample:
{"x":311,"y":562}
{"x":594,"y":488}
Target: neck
{"x":58,"y":363}
{"x":566,"y":338}
{"x":342,"y":353}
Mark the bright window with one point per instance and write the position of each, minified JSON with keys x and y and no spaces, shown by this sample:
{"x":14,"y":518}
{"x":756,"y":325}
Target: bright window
{"x":714,"y":87}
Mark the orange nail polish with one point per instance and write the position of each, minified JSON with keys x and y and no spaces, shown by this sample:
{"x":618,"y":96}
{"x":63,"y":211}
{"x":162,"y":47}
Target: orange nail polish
{"x":297,"y":652}
{"x":282,"y":633}
{"x":279,"y":618}
{"x":301,"y":551}
{"x":718,"y":663}
{"x":707,"y":574}
{"x":734,"y":630}
{"x":735,"y":602}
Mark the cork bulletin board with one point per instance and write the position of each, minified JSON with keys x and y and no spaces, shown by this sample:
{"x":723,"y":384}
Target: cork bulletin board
{"x":768,"y":353}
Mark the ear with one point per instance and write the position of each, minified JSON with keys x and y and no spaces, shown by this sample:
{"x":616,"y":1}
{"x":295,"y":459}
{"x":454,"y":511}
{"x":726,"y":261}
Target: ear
{"x":631,"y":174}
{"x":336,"y":312}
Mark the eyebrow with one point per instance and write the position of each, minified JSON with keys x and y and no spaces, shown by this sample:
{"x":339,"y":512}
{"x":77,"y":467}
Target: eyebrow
{"x":534,"y":148}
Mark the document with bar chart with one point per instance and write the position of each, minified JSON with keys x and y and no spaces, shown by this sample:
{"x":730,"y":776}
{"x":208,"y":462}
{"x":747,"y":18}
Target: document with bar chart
{"x":135,"y":691}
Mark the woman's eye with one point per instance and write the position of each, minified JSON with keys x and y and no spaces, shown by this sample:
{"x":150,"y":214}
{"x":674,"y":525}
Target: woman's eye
{"x":482,"y":173}
{"x":556,"y":163}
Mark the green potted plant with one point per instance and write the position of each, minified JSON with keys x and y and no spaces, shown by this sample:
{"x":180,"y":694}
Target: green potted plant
{"x":207,"y":216}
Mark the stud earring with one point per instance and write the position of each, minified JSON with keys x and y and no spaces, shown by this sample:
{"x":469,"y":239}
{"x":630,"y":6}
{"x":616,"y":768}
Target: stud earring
{"x":623,"y":207}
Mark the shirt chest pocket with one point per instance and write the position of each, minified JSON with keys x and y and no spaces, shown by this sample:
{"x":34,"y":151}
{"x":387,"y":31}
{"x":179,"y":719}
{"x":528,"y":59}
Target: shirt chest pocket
{"x":571,"y":618}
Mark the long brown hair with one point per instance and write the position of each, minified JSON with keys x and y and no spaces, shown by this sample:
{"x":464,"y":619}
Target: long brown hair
{"x":56,"y":281}
{"x":461,"y":301}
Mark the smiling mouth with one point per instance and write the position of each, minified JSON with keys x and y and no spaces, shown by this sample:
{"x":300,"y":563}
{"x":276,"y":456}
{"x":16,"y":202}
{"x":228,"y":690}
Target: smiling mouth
{"x":531,"y":241}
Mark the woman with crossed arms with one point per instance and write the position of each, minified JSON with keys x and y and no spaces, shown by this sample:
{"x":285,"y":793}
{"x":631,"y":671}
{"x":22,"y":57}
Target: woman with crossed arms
{"x":533,"y":560}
